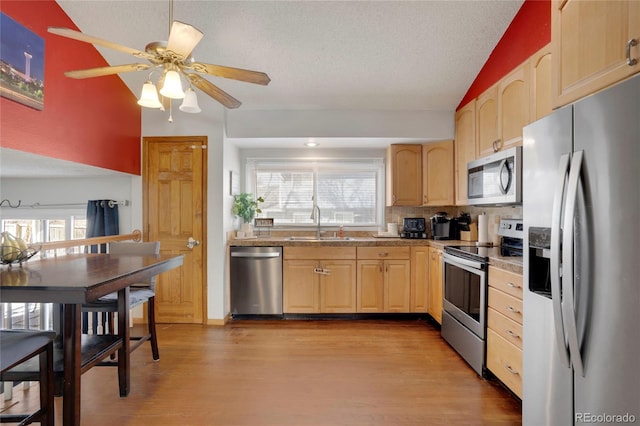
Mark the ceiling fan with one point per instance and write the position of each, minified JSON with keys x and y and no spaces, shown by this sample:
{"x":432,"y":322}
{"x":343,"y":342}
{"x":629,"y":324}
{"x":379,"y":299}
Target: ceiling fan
{"x":172,"y":55}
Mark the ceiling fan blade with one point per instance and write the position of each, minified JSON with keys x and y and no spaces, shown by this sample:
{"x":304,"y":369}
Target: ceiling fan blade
{"x":102,"y":71}
{"x":248,"y":76}
{"x":77,"y":35}
{"x":183,"y":38}
{"x":215,"y":92}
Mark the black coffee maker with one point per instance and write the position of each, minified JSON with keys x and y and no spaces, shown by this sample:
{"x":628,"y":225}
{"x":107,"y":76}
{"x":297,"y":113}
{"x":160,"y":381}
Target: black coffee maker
{"x":444,"y":227}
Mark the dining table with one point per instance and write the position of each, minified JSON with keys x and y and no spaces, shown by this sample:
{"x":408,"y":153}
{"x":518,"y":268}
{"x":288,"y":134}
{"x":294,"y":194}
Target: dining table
{"x":72,"y":280}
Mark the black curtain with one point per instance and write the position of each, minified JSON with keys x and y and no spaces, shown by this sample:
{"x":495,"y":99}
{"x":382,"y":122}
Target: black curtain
{"x":102,"y":220}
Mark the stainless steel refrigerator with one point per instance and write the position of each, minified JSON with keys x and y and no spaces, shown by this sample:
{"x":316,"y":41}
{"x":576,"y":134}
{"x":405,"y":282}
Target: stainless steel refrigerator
{"x":581,"y":204}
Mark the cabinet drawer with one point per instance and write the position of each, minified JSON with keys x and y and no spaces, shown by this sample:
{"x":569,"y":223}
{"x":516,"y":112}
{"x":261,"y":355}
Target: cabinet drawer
{"x":505,"y":361}
{"x":383,"y":253}
{"x":319,"y":253}
{"x":509,"y":282}
{"x":508,"y":306}
{"x":505,"y":327}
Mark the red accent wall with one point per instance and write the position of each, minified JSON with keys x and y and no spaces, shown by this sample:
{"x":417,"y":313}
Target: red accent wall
{"x":529,"y":32}
{"x":93,"y":121}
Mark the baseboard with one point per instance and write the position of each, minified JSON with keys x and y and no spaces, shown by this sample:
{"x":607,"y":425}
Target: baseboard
{"x":219,"y":322}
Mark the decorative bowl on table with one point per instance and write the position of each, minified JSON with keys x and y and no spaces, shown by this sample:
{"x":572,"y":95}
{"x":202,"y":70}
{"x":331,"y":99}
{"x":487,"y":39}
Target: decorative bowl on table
{"x":15,"y":250}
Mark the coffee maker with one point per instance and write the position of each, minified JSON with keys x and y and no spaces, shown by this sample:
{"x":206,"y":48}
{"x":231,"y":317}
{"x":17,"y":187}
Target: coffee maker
{"x":443,"y":227}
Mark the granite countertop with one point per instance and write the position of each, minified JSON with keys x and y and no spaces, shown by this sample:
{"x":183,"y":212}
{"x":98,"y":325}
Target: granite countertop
{"x":513,"y":264}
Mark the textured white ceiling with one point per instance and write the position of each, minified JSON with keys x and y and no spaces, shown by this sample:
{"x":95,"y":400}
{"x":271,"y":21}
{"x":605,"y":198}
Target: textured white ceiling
{"x":329,"y":55}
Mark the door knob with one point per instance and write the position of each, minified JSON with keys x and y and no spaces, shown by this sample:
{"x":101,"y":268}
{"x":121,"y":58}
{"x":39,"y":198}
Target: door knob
{"x":191,"y":243}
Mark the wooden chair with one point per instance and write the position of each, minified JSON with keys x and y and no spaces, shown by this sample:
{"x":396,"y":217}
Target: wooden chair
{"x":139,"y":293}
{"x":18,"y":346}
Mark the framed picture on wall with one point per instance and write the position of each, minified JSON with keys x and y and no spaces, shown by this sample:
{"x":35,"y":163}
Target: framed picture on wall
{"x":21,"y":64}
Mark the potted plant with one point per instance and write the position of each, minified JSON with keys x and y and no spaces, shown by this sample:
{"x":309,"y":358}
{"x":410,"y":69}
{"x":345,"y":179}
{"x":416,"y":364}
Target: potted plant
{"x":245,"y":207}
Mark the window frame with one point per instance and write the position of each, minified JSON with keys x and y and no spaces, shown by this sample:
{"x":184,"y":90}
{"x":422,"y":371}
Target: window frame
{"x":316,"y":165}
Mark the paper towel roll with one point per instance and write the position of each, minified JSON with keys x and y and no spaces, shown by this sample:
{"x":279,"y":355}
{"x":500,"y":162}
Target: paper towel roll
{"x":483,"y":228}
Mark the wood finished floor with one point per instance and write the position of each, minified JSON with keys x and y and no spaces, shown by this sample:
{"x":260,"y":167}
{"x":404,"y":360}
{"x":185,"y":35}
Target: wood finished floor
{"x":302,"y":373}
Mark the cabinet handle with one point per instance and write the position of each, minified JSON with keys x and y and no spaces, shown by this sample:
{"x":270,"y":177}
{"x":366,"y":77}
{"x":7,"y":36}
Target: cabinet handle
{"x":512,"y":309}
{"x":512,"y":285}
{"x":496,"y":145}
{"x":631,"y":61}
{"x":510,"y":369}
{"x":380,"y":266}
{"x":383,"y":254}
{"x":512,"y":334}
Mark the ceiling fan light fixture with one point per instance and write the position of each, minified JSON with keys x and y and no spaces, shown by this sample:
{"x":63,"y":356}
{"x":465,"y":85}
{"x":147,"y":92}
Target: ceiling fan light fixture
{"x":172,"y":87}
{"x":190,"y":102}
{"x":149,"y":96}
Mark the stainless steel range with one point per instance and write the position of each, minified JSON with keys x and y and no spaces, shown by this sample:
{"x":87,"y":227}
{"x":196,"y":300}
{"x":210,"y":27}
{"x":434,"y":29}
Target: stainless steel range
{"x":465,"y":292}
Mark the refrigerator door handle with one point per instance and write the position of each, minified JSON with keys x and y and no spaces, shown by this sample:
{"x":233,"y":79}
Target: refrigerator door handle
{"x":568,"y":278}
{"x":556,"y":273}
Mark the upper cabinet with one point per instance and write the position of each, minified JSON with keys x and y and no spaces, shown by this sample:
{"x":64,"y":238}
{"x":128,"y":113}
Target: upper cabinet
{"x":404,"y":175}
{"x":502,"y":111}
{"x":540,"y":87}
{"x":595,"y":44}
{"x":487,"y":121}
{"x":437,"y":174}
{"x":465,"y":148}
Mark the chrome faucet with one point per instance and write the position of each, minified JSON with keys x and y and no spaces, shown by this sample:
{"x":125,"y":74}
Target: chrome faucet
{"x":313,"y":213}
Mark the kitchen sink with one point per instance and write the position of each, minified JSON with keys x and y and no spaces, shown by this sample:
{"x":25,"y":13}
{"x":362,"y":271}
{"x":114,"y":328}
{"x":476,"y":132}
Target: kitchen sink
{"x":319,"y":239}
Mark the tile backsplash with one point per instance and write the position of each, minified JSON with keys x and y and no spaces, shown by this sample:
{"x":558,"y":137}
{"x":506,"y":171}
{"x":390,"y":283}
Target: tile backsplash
{"x":397,"y":214}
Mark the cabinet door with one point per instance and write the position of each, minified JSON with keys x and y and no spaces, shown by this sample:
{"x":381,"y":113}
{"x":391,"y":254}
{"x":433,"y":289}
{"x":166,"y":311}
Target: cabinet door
{"x":300,"y":287}
{"x":540,"y":87}
{"x":589,"y":45}
{"x":465,"y":148}
{"x":397,"y":285}
{"x":338,"y":286}
{"x":435,"y":284}
{"x":419,"y":279}
{"x":404,"y":175}
{"x":437,"y":173}
{"x":487,"y":121}
{"x":513,"y":107}
{"x":370,"y":286}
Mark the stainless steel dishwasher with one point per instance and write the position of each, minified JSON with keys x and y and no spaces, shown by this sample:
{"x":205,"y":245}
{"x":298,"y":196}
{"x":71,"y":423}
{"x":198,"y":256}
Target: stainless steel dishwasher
{"x":256,"y":280}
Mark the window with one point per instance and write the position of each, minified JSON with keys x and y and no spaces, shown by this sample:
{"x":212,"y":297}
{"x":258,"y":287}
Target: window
{"x":349,"y":193}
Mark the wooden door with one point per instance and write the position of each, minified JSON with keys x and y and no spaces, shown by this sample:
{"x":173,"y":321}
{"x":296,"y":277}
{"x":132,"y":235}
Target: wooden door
{"x":487,"y":134}
{"x":465,"y":148}
{"x":300,"y":287}
{"x":540,"y":87}
{"x":437,"y":174}
{"x":397,"y":285}
{"x":338,"y":287}
{"x":174,"y":193}
{"x":370,"y":288}
{"x":404,"y":175}
{"x":590,"y":45}
{"x":513,"y":107}
{"x":419,"y":278}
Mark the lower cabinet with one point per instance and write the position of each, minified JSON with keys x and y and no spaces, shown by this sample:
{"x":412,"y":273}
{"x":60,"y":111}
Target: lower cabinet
{"x":319,"y":280}
{"x":435,"y":284}
{"x":419,"y":279}
{"x":384,"y":279}
{"x":504,"y":328}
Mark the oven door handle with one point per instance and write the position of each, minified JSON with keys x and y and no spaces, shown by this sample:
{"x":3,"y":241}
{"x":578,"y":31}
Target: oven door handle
{"x":458,"y":261}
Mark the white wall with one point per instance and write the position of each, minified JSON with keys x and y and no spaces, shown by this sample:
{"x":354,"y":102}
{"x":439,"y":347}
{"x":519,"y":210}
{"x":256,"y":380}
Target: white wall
{"x":70,"y":191}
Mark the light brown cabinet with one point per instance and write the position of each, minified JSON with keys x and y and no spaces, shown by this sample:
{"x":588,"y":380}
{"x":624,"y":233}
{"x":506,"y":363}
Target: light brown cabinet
{"x":435,"y":284}
{"x":404,"y":175}
{"x":592,"y":46}
{"x":504,"y":327}
{"x":487,"y":135}
{"x":540,"y":87}
{"x":502,"y":111}
{"x":384,"y":279}
{"x":419,"y":279}
{"x":437,"y":174}
{"x":319,"y":280}
{"x":465,"y":149}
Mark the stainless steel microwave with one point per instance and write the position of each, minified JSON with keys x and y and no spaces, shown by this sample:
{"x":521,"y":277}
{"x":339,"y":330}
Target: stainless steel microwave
{"x":496,"y":179}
